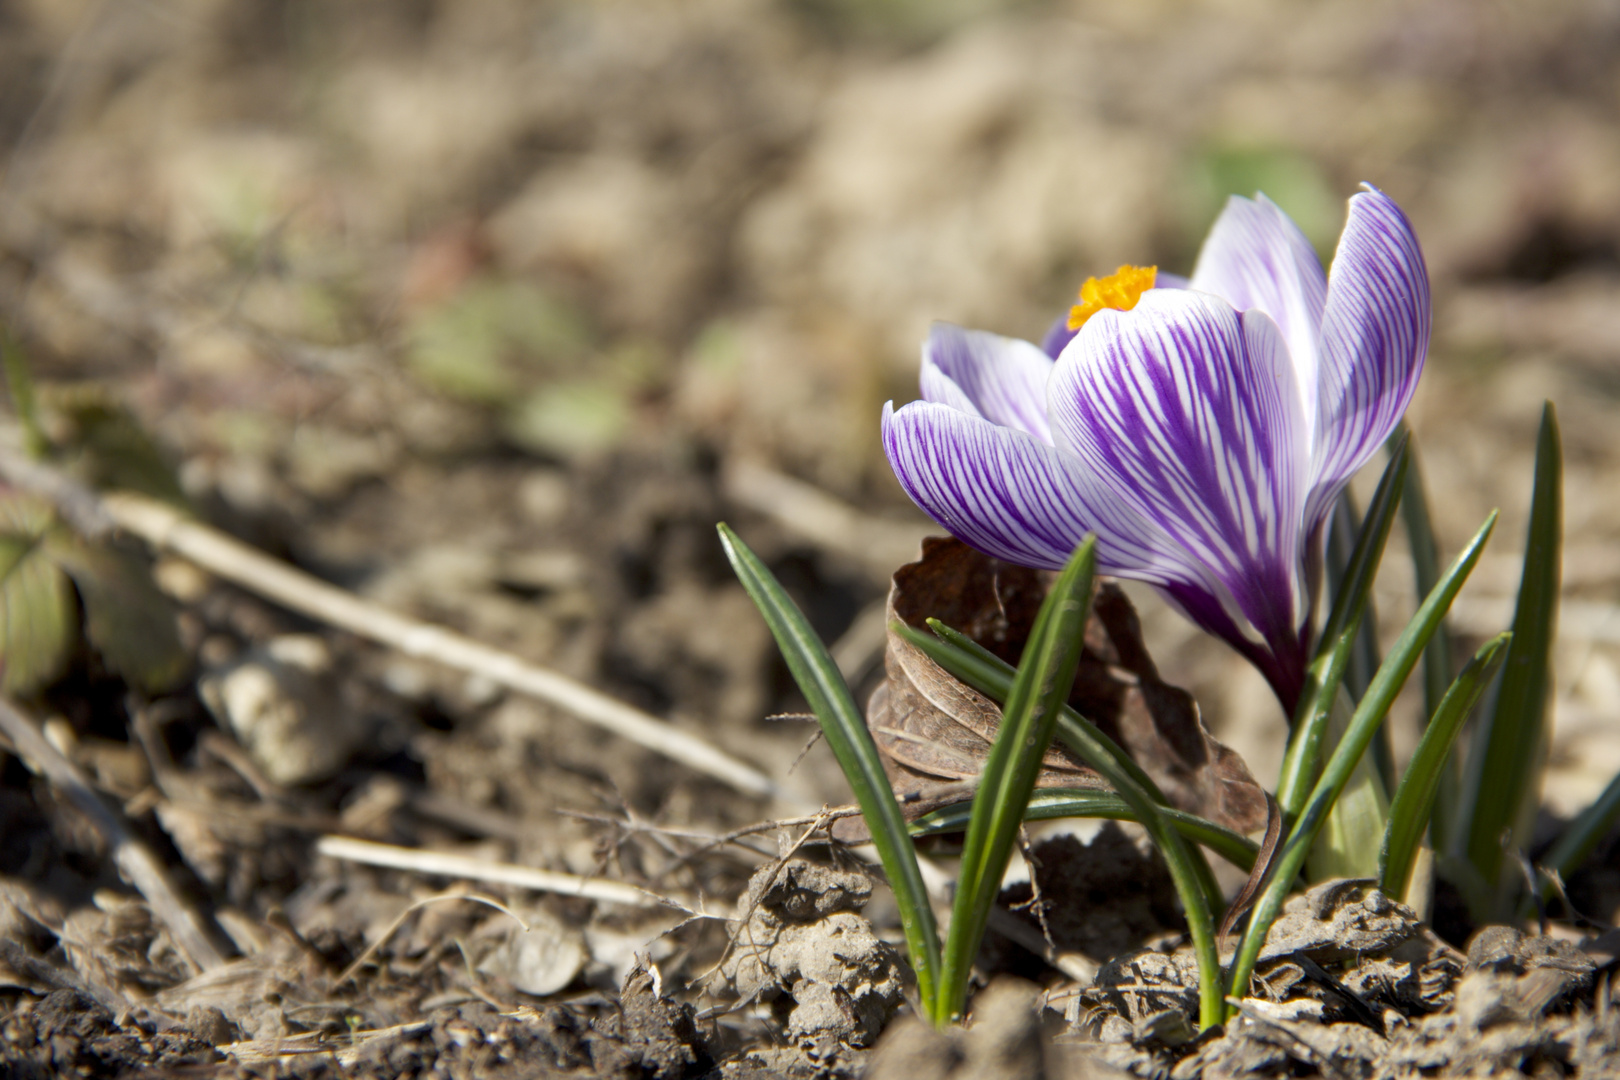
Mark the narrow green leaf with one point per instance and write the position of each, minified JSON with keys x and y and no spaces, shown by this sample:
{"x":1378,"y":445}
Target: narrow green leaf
{"x":1370,"y":713}
{"x":1303,"y":761}
{"x":1503,"y":775}
{"x":38,"y":618}
{"x":126,"y":618}
{"x":1361,"y":566}
{"x":1576,"y":842}
{"x":987,"y":673}
{"x":992,"y":676}
{"x":1044,"y":679}
{"x":1352,"y":566}
{"x":20,"y":383}
{"x":1409,"y":810}
{"x":1343,"y":530}
{"x":846,"y":733}
{"x":1050,"y":804}
{"x":1437,"y":657}
{"x":1195,"y":882}
{"x":1348,"y":843}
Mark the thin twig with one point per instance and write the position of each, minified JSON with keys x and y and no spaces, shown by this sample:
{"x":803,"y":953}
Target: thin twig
{"x":399,"y":921}
{"x":709,"y":840}
{"x":1324,"y":1060}
{"x":166,"y":529}
{"x":129,"y":854}
{"x":825,"y":817}
{"x":753,"y":898}
{"x":445,"y":864}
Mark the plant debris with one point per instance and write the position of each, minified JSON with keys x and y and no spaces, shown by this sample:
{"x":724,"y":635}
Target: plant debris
{"x":1351,"y":984}
{"x":935,"y":732}
{"x":488,"y":311}
{"x":804,"y":949}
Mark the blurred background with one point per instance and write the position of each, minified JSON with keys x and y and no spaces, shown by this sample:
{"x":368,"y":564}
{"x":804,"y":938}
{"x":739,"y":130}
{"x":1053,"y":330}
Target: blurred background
{"x":489,"y":309}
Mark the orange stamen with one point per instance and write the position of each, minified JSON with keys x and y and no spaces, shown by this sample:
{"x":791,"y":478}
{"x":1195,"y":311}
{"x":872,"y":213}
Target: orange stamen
{"x":1120,"y":290}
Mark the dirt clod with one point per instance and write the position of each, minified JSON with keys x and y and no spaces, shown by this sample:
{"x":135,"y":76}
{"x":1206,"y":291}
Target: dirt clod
{"x":1098,"y":898}
{"x":1351,"y":985}
{"x":1004,"y":1040}
{"x":1340,"y":920}
{"x":210,"y":1025}
{"x":649,"y":1037}
{"x":804,"y":948}
{"x":67,"y":1033}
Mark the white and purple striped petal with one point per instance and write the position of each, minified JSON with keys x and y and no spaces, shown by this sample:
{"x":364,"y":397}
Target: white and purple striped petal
{"x":1256,"y":258}
{"x":1058,"y":335}
{"x":1375,"y":336}
{"x":1021,"y":500}
{"x":941,"y":389}
{"x":1003,"y":377}
{"x":1002,"y":491}
{"x":1188,"y":411}
{"x":1202,"y":435}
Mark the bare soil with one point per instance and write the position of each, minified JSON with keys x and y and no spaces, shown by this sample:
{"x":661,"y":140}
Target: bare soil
{"x":488,"y":311}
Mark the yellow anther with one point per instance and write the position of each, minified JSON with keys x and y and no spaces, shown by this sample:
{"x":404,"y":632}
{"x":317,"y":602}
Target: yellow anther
{"x":1121,"y":289}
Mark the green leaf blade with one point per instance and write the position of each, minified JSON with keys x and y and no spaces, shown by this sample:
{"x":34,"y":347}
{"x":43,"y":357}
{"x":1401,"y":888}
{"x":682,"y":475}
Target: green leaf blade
{"x":126,"y":618}
{"x":1437,"y":669}
{"x":845,"y":730}
{"x":973,"y":664}
{"x":1052,"y":804}
{"x":1303,"y":761}
{"x":1028,"y":723}
{"x":1195,"y":883}
{"x":1369,"y":714}
{"x":1409,"y":811}
{"x":1502,"y":779}
{"x":1350,"y":598}
{"x":38,"y":617}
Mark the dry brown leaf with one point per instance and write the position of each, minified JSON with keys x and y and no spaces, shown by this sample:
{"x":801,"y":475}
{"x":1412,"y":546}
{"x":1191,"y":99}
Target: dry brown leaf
{"x":934,"y":732}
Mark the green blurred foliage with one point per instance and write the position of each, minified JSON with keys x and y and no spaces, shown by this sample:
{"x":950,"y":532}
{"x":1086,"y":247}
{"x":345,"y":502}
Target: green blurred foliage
{"x":717,"y":349}
{"x":570,"y":419}
{"x":126,"y":619}
{"x":490,"y":338}
{"x":36,"y":605}
{"x":907,"y":22}
{"x":1286,"y":176}
{"x":96,"y":439}
{"x":20,"y":385}
{"x":86,"y":431}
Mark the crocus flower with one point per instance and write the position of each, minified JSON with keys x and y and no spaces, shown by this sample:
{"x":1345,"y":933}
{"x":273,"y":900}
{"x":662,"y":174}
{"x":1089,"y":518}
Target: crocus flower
{"x":1203,"y":431}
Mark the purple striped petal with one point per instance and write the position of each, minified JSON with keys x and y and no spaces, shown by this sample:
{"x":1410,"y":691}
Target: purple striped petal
{"x":1256,"y":257}
{"x":1282,"y":661}
{"x":1059,"y":335}
{"x":999,"y":490}
{"x":1188,"y":411}
{"x":1003,"y":377}
{"x":1375,"y":335}
{"x":941,"y":389}
{"x":1020,"y":500}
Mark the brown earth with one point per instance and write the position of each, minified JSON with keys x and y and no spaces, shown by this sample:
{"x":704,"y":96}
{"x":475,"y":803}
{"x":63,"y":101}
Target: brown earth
{"x":489,"y":310}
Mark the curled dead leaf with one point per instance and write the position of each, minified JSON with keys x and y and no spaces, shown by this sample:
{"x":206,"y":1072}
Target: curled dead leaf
{"x":934,"y":732}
